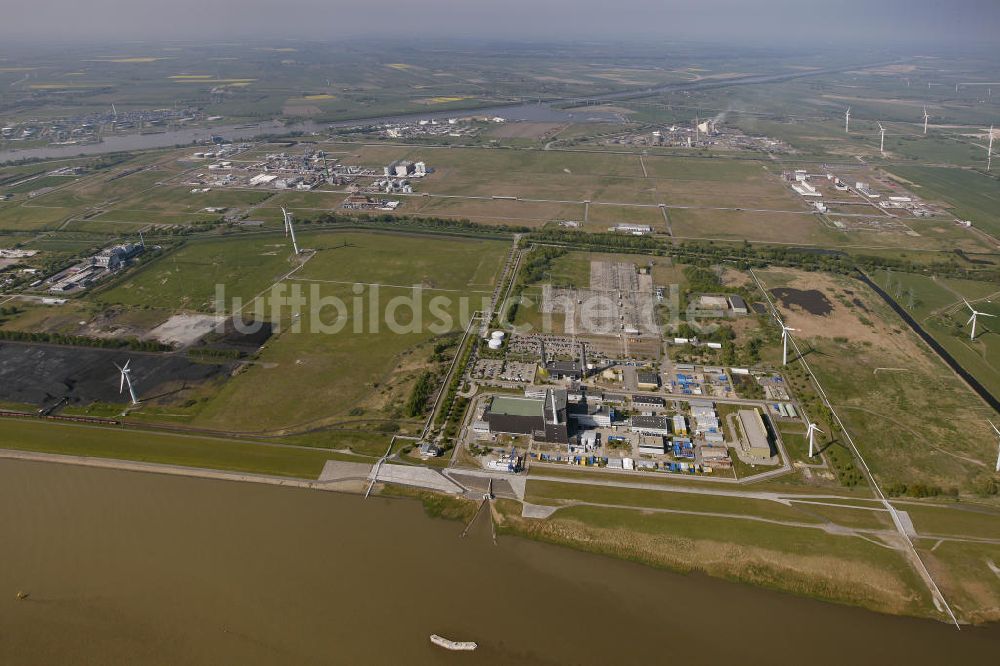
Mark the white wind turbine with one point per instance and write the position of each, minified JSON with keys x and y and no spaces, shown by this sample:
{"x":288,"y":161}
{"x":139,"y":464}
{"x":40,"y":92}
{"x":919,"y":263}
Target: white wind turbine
{"x":811,"y":433}
{"x":784,"y":341}
{"x":989,"y":150}
{"x":126,"y":378}
{"x":289,"y":229}
{"x":926,"y":116}
{"x":997,"y":431}
{"x":973,"y":318}
{"x":881,"y":145}
{"x":847,"y":121}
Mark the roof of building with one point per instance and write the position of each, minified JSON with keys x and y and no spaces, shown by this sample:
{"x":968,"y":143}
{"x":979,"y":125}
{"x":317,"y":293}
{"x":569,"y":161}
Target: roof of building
{"x":710,"y":301}
{"x":648,"y":378}
{"x":557,"y":399}
{"x":656,"y":422}
{"x":565,"y":366}
{"x":753,"y":428}
{"x":648,"y":399}
{"x":512,"y":406}
{"x":587,"y":408}
{"x":737,"y":301}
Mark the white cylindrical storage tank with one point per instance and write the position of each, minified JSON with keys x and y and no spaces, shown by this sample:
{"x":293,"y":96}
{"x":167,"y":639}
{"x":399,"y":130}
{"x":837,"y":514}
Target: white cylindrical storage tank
{"x":498,"y":335}
{"x":494,"y":343}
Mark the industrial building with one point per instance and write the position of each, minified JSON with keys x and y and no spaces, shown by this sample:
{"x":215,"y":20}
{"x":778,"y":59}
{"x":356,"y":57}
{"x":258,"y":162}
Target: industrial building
{"x":97,"y":267}
{"x":640,"y":401}
{"x":650,"y":425}
{"x":634,"y":229}
{"x":737,"y":305}
{"x":648,"y":381}
{"x":655,"y":445}
{"x":404,"y":169}
{"x":756,"y":440}
{"x":544,"y":419}
{"x":591,"y":416}
{"x":115,"y":257}
{"x":719,"y":305}
{"x":574,"y":370}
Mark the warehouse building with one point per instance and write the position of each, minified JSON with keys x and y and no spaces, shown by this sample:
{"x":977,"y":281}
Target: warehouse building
{"x":648,"y":381}
{"x":654,"y":446}
{"x":737,"y":305}
{"x":640,"y":401}
{"x":756,"y":440}
{"x":650,"y":425}
{"x":574,"y":370}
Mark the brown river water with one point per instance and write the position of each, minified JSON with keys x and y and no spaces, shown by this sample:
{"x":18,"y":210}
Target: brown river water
{"x":132,"y":568}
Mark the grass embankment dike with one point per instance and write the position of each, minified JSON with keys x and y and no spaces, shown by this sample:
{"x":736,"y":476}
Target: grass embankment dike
{"x":808,"y":563}
{"x":166,"y":448}
{"x":841,"y":569}
{"x":799,"y":560}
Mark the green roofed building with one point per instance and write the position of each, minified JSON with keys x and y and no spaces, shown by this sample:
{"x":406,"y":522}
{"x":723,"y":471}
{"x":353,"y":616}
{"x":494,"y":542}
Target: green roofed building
{"x":545,"y":419}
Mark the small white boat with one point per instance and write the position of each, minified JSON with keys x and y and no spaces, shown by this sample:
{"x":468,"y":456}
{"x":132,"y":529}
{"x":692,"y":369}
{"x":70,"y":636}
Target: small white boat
{"x":452,"y":645}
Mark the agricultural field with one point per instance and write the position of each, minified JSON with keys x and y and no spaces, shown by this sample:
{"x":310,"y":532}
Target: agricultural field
{"x":972,"y":195}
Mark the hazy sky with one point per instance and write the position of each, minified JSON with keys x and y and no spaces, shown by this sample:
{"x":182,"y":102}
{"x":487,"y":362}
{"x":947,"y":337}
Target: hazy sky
{"x":799,"y":21}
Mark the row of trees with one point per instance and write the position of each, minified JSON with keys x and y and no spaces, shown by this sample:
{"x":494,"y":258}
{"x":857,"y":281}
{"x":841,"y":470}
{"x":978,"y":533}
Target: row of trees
{"x":415,"y":222}
{"x":421,"y":393}
{"x":83,"y":341}
{"x":748,"y":255}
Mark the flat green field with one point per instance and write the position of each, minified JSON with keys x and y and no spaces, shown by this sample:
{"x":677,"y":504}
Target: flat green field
{"x":17,"y":217}
{"x":186,"y":278}
{"x":315,"y":378}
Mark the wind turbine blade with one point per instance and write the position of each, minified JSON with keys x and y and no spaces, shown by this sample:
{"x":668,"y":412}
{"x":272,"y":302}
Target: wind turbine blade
{"x":971,"y":319}
{"x":121,"y":383}
{"x":127,"y":364}
{"x":984,"y":314}
{"x":995,"y":429}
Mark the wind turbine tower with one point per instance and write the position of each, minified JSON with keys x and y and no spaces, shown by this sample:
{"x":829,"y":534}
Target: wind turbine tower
{"x":881,"y":144}
{"x":997,"y":431}
{"x":847,"y":121}
{"x":126,"y":379}
{"x":973,"y":318}
{"x":989,"y":150}
{"x":811,"y":432}
{"x":925,"y":120}
{"x":785,"y":330}
{"x":290,"y":230}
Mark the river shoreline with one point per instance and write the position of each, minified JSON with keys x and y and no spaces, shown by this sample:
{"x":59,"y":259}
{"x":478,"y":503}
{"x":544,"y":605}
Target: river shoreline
{"x":507,"y":513}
